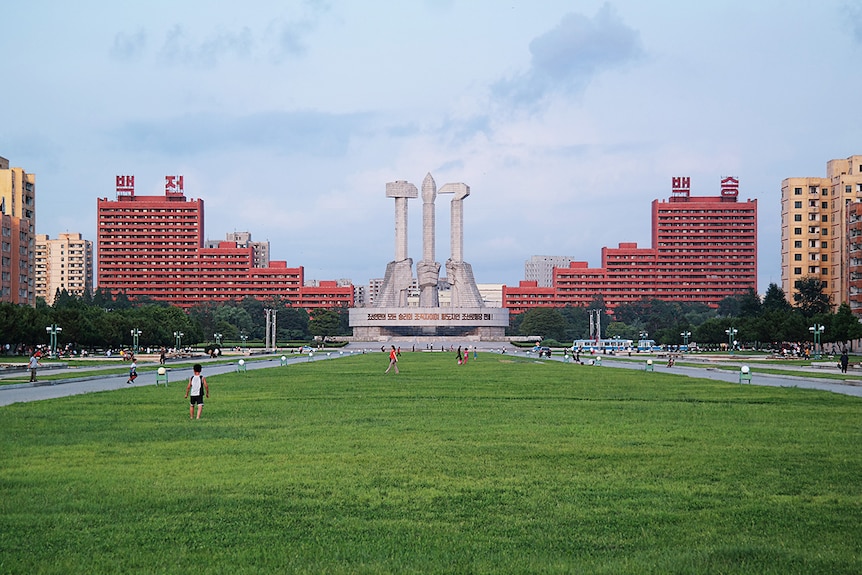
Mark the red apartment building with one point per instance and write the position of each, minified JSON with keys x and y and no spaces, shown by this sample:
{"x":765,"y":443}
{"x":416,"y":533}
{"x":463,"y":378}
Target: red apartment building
{"x":703,"y":250}
{"x":152,"y":246}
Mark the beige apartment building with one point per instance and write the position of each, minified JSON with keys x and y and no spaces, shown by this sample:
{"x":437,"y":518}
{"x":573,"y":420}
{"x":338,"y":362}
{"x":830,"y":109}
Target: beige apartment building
{"x":815,"y":233}
{"x":65,"y":263}
{"x":17,"y":234}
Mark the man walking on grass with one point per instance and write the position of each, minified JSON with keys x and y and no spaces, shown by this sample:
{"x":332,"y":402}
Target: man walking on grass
{"x":197,"y":386}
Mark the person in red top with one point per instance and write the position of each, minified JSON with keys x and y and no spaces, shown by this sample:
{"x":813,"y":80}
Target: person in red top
{"x":393,"y":360}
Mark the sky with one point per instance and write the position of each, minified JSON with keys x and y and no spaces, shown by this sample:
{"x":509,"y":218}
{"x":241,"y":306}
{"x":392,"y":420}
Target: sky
{"x":565,"y":118}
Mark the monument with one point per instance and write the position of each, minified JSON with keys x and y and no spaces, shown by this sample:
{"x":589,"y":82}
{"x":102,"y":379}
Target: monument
{"x":466,"y":317}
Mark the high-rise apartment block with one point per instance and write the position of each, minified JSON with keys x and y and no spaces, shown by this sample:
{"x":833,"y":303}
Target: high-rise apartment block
{"x":17,"y":234}
{"x":819,"y":218}
{"x":152,"y":247}
{"x":243,"y":240}
{"x":65,"y":263}
{"x":540,"y":269}
{"x":704,"y":249}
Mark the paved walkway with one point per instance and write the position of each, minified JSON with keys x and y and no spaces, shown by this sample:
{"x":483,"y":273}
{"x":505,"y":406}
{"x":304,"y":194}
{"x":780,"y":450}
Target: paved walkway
{"x":178,"y":375}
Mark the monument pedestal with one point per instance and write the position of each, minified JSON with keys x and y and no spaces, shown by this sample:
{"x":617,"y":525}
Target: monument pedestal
{"x":380,"y":323}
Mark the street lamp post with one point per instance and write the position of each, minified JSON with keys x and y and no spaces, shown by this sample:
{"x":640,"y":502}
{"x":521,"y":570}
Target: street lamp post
{"x":217,"y":337}
{"x":641,"y":337}
{"x":731,"y":335}
{"x":817,"y":329}
{"x":244,"y":338}
{"x":685,"y":335}
{"x":53,"y":330}
{"x":179,"y":337}
{"x":136,"y":333}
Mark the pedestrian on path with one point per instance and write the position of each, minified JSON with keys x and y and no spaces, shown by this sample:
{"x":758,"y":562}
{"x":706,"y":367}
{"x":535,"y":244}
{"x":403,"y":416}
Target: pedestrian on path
{"x":197,"y":387}
{"x":34,"y":363}
{"x":393,"y":360}
{"x":133,"y":372}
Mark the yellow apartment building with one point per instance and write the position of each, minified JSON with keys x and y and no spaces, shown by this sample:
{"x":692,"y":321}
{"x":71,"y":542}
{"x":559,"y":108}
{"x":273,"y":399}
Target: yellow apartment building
{"x":17,"y":234}
{"x":65,"y":263}
{"x":815,"y":238}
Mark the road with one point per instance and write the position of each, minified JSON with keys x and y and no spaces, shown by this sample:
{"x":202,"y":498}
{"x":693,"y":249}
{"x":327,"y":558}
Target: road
{"x":178,"y":375}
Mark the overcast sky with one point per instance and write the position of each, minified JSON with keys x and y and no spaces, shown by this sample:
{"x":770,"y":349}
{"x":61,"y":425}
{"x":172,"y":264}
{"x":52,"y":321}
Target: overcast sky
{"x":566,"y":118}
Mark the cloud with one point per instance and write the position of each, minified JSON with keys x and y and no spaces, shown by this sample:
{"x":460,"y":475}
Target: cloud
{"x":180,"y":48}
{"x":300,"y":133}
{"x":290,"y":35}
{"x":565,"y":59}
{"x":854,"y":19}
{"x":129,"y":46}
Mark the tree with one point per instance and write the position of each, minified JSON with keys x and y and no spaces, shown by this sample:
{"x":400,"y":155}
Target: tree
{"x":809,"y":297}
{"x":712,"y":331}
{"x":775,"y":300}
{"x":546,"y":322}
{"x":729,"y":307}
{"x":749,"y":304}
{"x":845,"y":326}
{"x":577,"y":322}
{"x":324,"y":322}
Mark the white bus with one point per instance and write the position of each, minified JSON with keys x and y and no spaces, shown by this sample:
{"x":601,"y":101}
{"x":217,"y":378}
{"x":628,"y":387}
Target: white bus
{"x":613,"y":345}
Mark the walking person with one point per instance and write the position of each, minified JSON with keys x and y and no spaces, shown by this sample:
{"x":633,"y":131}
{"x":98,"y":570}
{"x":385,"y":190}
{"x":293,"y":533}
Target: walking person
{"x":133,"y":371}
{"x":459,"y":355}
{"x":844,"y":361}
{"x":393,"y":360}
{"x":197,"y":387}
{"x":33,"y":364}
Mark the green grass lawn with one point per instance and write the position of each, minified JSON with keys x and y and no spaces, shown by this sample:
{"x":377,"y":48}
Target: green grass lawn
{"x":503,"y":465}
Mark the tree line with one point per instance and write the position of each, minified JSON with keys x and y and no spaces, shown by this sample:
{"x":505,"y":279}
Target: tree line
{"x":105,"y":321}
{"x":759,"y":323}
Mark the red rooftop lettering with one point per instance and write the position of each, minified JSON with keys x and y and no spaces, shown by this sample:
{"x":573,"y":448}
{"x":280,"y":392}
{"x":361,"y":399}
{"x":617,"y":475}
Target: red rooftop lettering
{"x":125,"y":185}
{"x":173,"y":184}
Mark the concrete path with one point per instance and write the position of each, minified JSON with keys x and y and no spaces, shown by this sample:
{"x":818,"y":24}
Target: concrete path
{"x":178,"y":375}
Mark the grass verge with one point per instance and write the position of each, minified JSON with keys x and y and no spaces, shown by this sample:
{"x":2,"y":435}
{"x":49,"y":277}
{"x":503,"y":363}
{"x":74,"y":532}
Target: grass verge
{"x":501,"y":465}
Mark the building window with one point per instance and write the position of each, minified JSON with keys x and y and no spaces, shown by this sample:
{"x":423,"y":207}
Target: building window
{"x":797,"y":271}
{"x":797,"y":205}
{"x":824,"y":257}
{"x":797,"y":217}
{"x":823,"y":245}
{"x":798,"y":243}
{"x":825,"y":283}
{"x":824,"y":218}
{"x":825,"y":231}
{"x":797,"y":231}
{"x":797,"y":191}
{"x":824,"y":205}
{"x":797,"y":257}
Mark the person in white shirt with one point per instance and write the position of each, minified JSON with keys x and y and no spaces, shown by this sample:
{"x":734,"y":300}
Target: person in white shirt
{"x":197,"y":387}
